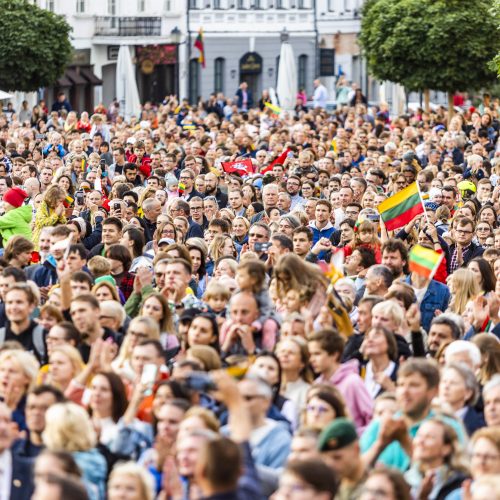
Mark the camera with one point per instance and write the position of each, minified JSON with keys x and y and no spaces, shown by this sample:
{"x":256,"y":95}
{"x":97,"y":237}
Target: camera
{"x":262,"y":247}
{"x":200,"y":382}
{"x":79,"y":198}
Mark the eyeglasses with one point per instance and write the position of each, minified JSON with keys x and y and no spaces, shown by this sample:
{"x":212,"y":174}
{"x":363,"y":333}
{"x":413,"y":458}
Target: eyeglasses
{"x":297,"y":184}
{"x":482,"y":229}
{"x":462,"y":232}
{"x":257,"y":235}
{"x":197,"y":208}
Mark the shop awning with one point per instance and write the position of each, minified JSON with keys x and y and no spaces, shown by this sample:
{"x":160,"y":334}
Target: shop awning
{"x":90,"y":76}
{"x":73,"y":75}
{"x":64,"y":81}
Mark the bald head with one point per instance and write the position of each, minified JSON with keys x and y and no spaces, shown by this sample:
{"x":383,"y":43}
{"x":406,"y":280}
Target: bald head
{"x":244,"y":309}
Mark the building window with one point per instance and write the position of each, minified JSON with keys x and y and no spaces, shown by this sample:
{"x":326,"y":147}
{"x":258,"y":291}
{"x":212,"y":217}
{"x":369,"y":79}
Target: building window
{"x":277,"y":69}
{"x":168,"y":6}
{"x":80,"y":6}
{"x":241,"y":4}
{"x":112,"y":7}
{"x":302,"y":73}
{"x":280,"y":4}
{"x":141,"y":5}
{"x":217,"y":4}
{"x":193,"y":4}
{"x":194,"y":81}
{"x":220,"y":64}
{"x":51,"y":5}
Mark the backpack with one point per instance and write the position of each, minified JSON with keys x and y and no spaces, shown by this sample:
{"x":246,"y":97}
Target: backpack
{"x":38,"y":340}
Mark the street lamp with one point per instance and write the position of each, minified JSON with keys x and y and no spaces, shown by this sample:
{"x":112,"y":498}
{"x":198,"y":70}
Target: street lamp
{"x":176,"y":35}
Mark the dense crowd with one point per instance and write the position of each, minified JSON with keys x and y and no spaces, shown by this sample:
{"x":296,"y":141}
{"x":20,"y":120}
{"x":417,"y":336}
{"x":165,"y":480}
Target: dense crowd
{"x":172,"y":325}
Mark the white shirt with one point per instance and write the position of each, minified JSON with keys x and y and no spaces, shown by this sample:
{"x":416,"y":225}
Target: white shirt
{"x":5,"y":474}
{"x":320,"y":96}
{"x":371,"y":385}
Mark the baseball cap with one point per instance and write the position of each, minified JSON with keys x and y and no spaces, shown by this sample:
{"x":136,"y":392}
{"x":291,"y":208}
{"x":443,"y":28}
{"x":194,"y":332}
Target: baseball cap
{"x":337,"y":435}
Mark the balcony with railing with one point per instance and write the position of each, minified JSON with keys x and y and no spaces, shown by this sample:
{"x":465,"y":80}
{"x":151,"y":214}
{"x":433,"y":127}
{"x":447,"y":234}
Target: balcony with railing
{"x":127,"y":26}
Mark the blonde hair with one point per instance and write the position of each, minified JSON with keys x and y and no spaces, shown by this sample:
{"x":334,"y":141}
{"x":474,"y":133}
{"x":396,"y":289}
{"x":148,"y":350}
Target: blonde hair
{"x":465,"y":288}
{"x":392,"y":309}
{"x":217,"y":245}
{"x":216,"y":289}
{"x":68,"y":428}
{"x":26,"y":362}
{"x":73,"y":354}
{"x":208,"y":417}
{"x":112,"y":289}
{"x":151,"y":327}
{"x":131,"y":469}
{"x":99,"y":266}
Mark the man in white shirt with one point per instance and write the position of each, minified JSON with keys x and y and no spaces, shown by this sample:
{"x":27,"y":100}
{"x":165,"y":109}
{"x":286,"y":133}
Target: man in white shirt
{"x":320,"y":95}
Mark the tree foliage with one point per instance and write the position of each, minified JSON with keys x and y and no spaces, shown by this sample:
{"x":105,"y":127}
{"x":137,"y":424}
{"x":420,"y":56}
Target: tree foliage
{"x":442,"y":45}
{"x":34,"y":46}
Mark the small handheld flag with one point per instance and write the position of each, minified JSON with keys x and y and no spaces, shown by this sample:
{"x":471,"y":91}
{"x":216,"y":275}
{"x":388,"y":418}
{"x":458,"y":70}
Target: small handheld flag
{"x":401,"y":208}
{"x":200,"y":45}
{"x":424,"y":261}
{"x":241,"y":167}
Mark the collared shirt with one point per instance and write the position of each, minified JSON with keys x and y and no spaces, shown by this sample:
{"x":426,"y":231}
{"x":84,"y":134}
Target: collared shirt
{"x":454,"y":258}
{"x":5,"y":474}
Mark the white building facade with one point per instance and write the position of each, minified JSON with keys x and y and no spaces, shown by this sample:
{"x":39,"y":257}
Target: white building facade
{"x":241,"y":39}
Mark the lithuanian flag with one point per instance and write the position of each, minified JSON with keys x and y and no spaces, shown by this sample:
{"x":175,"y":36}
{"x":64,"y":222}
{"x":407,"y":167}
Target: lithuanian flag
{"x":401,"y":208}
{"x":68,"y":201}
{"x":200,"y":45}
{"x":424,"y":261}
{"x":273,"y":107}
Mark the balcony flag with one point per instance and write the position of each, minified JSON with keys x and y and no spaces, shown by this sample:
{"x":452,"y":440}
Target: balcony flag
{"x":200,"y":45}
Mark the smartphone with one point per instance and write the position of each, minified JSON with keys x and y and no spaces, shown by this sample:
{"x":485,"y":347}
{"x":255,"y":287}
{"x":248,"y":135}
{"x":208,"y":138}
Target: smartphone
{"x":148,"y":377}
{"x":39,"y":137}
{"x":103,"y":165}
{"x":117,"y":205}
{"x":262,"y":247}
{"x":80,"y":198}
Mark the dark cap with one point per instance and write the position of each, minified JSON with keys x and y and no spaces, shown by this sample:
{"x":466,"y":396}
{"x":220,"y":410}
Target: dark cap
{"x":337,"y":435}
{"x":190,"y":314}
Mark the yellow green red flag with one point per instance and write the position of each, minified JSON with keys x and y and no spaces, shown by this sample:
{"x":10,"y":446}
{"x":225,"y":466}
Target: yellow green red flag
{"x":401,"y":208}
{"x":424,"y":261}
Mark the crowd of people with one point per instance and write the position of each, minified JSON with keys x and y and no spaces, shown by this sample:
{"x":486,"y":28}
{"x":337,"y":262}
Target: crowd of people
{"x":172,"y":329}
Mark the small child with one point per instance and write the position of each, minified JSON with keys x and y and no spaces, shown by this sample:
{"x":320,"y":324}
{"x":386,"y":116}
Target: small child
{"x":217,"y":296}
{"x":17,"y":217}
{"x":251,"y":277}
{"x":99,"y":266}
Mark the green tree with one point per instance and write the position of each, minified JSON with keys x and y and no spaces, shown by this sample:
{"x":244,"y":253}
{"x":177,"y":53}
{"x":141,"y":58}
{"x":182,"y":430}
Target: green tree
{"x":34,"y":46}
{"x":444,"y":45}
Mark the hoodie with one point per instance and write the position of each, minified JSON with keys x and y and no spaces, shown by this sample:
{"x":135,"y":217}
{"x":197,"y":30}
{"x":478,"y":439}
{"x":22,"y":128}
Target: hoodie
{"x":16,"y":221}
{"x":349,"y":383}
{"x":94,"y":471}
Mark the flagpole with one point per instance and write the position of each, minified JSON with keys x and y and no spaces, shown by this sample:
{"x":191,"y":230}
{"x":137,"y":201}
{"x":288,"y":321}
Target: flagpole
{"x":422,"y":201}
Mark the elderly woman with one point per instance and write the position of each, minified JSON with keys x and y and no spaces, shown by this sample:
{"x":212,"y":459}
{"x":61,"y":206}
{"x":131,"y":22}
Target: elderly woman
{"x":18,"y":371}
{"x":458,"y":388}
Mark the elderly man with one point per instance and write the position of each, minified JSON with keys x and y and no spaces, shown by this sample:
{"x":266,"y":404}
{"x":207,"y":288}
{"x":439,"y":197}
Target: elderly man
{"x":270,"y":198}
{"x":242,"y":333}
{"x":152,"y":210}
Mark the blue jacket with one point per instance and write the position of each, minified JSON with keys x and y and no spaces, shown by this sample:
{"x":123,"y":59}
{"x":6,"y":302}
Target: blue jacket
{"x":326,"y":232}
{"x":94,"y":472}
{"x":46,"y":274}
{"x":437,"y":296}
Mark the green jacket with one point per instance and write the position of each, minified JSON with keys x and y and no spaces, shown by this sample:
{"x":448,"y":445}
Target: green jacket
{"x":16,"y":222}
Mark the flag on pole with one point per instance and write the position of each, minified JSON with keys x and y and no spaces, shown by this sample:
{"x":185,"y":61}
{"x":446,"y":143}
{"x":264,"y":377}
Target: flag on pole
{"x":241,"y":167}
{"x":200,"y":45}
{"x":333,"y":145}
{"x":68,"y":201}
{"x":277,"y":161}
{"x":424,"y":261}
{"x":401,"y":208}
